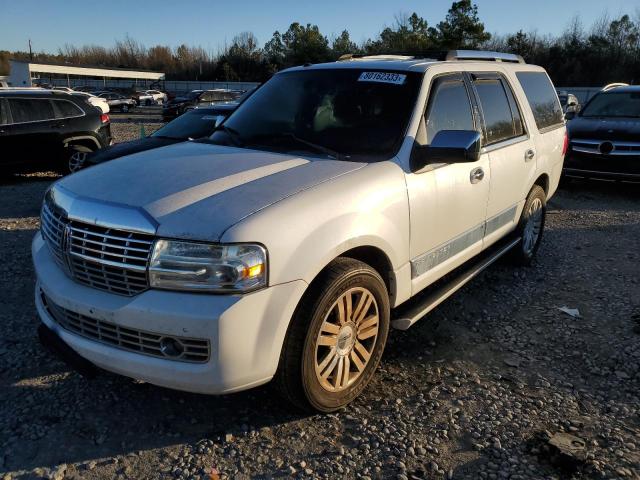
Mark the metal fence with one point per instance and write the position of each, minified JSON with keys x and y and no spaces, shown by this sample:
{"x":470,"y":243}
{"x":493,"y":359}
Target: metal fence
{"x":582,"y":93}
{"x":169,"y":85}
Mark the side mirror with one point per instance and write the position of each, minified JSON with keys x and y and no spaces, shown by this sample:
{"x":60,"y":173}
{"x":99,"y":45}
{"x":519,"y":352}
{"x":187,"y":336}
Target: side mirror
{"x":572,"y":104}
{"x":448,"y":146}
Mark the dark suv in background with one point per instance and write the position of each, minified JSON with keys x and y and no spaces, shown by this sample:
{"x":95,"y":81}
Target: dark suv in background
{"x":196,"y":98}
{"x":605,"y":137}
{"x":48,"y":129}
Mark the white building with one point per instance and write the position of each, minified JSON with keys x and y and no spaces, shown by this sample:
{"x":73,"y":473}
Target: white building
{"x":23,"y":73}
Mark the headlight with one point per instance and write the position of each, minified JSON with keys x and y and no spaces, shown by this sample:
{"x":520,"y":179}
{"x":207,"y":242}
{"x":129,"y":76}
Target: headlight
{"x":178,"y":265}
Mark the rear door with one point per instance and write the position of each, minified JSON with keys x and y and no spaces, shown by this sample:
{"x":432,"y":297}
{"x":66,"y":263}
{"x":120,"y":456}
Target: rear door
{"x":511,"y":150}
{"x":34,"y":135}
{"x":448,"y":203}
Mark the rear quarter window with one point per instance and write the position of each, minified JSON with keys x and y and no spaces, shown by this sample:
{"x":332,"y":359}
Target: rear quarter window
{"x":542,"y":98}
{"x":67,"y":109}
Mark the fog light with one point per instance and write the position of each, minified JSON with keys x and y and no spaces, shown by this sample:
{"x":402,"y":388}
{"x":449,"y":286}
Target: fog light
{"x":171,"y":347}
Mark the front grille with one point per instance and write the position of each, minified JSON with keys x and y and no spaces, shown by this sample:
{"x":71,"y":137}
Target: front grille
{"x":194,"y":350}
{"x":104,"y":258}
{"x":614,"y":147}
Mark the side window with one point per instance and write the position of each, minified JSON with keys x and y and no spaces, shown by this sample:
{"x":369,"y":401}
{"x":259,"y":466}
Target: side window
{"x":206,"y":97}
{"x":67,"y":109}
{"x":30,"y":110}
{"x":449,"y":107}
{"x":497,"y":110}
{"x":542,"y":97}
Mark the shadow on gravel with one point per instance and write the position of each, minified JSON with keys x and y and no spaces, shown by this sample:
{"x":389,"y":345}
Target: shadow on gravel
{"x":111,"y":416}
{"x":596,"y":194}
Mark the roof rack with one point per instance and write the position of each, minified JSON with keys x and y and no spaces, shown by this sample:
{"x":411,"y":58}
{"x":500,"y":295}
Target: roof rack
{"x":484,"y":55}
{"x":441,"y":55}
{"x":611,"y":86}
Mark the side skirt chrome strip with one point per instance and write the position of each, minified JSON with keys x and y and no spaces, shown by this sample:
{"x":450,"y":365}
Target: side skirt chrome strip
{"x":423,"y":304}
{"x":426,"y":261}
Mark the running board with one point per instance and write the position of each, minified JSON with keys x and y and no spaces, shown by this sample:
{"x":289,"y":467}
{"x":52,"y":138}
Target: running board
{"x":426,"y":301}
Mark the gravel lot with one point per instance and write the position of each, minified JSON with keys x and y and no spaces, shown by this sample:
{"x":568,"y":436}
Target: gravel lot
{"x":482,"y":388}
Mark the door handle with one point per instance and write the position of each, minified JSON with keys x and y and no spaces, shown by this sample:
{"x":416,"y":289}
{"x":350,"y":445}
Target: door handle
{"x":476,"y":175}
{"x":529,"y":155}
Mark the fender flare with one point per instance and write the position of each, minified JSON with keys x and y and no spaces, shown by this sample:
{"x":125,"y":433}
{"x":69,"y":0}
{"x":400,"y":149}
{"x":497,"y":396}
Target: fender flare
{"x":69,"y":140}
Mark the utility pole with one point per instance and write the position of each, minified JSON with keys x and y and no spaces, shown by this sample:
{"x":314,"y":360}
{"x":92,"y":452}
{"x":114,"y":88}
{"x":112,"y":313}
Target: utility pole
{"x":30,"y":52}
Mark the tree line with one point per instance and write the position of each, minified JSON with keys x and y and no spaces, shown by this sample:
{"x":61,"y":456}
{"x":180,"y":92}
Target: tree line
{"x":607,"y":51}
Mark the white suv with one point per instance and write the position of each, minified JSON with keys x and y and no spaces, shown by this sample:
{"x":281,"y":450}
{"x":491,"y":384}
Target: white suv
{"x":326,"y":209}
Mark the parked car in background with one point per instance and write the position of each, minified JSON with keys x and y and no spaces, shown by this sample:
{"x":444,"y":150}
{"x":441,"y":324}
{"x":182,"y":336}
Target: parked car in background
{"x":569,"y":103}
{"x":196,"y":123}
{"x":180,"y":104}
{"x":117,"y":101}
{"x":157,"y":96}
{"x":604,"y":138}
{"x":48,"y":129}
{"x":94,"y":100}
{"x":323,"y":211}
{"x":150,"y":97}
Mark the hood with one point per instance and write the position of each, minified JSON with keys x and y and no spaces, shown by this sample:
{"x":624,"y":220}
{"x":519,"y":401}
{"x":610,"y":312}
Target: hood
{"x":127,"y":148}
{"x":189,"y":190}
{"x":602,"y":128}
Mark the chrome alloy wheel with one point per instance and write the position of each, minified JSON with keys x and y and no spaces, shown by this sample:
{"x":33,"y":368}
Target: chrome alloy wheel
{"x":76,"y":161}
{"x":533,"y":227}
{"x":346,"y":339}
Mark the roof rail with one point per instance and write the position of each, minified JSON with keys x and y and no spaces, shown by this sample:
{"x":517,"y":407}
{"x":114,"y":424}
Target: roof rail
{"x":440,"y":55}
{"x":359,"y":56}
{"x":484,"y":55}
{"x":611,"y":86}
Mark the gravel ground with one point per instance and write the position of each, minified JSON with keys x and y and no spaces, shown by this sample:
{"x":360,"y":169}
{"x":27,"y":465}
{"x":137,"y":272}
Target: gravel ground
{"x":123,"y":132}
{"x":485,"y":387}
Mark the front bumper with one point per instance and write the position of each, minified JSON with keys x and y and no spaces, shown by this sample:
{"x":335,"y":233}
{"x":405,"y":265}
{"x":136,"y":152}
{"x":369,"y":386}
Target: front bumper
{"x":613,"y":167}
{"x":245,"y":332}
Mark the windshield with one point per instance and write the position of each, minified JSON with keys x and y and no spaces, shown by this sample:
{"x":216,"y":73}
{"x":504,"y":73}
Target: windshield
{"x":192,"y":124}
{"x":348,"y":114}
{"x":613,"y":104}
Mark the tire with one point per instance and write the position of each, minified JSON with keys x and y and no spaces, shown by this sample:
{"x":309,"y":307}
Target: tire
{"x":124,"y":108}
{"x":324,"y":342}
{"x":531,"y":227}
{"x":74,"y":159}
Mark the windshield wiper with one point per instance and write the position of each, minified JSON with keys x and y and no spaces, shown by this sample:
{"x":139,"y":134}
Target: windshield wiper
{"x":233,"y":134}
{"x":318,"y":148}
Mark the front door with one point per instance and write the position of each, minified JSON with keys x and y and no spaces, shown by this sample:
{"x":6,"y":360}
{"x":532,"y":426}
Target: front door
{"x":448,"y":202}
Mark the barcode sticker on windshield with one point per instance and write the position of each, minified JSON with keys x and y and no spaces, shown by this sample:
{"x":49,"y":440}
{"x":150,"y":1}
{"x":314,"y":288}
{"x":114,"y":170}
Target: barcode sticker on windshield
{"x":382,"y":77}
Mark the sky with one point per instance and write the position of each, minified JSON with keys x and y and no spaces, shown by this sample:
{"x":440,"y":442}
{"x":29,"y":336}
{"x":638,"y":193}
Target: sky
{"x":211,"y":23}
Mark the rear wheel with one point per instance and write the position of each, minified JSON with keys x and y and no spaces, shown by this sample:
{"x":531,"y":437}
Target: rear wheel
{"x":336,"y":338}
{"x":74,"y":158}
{"x":531,"y":226}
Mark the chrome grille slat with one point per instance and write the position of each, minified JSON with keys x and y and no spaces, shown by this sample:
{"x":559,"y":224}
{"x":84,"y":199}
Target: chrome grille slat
{"x":100,"y":257}
{"x":112,"y":237}
{"x":125,"y":338}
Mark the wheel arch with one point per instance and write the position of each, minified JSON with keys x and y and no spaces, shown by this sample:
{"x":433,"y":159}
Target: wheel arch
{"x":83,"y":140}
{"x":543,"y":182}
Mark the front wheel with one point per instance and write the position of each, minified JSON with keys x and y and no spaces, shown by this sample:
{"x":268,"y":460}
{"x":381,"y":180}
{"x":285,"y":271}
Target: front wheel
{"x":336,"y":338}
{"x":531,"y":226}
